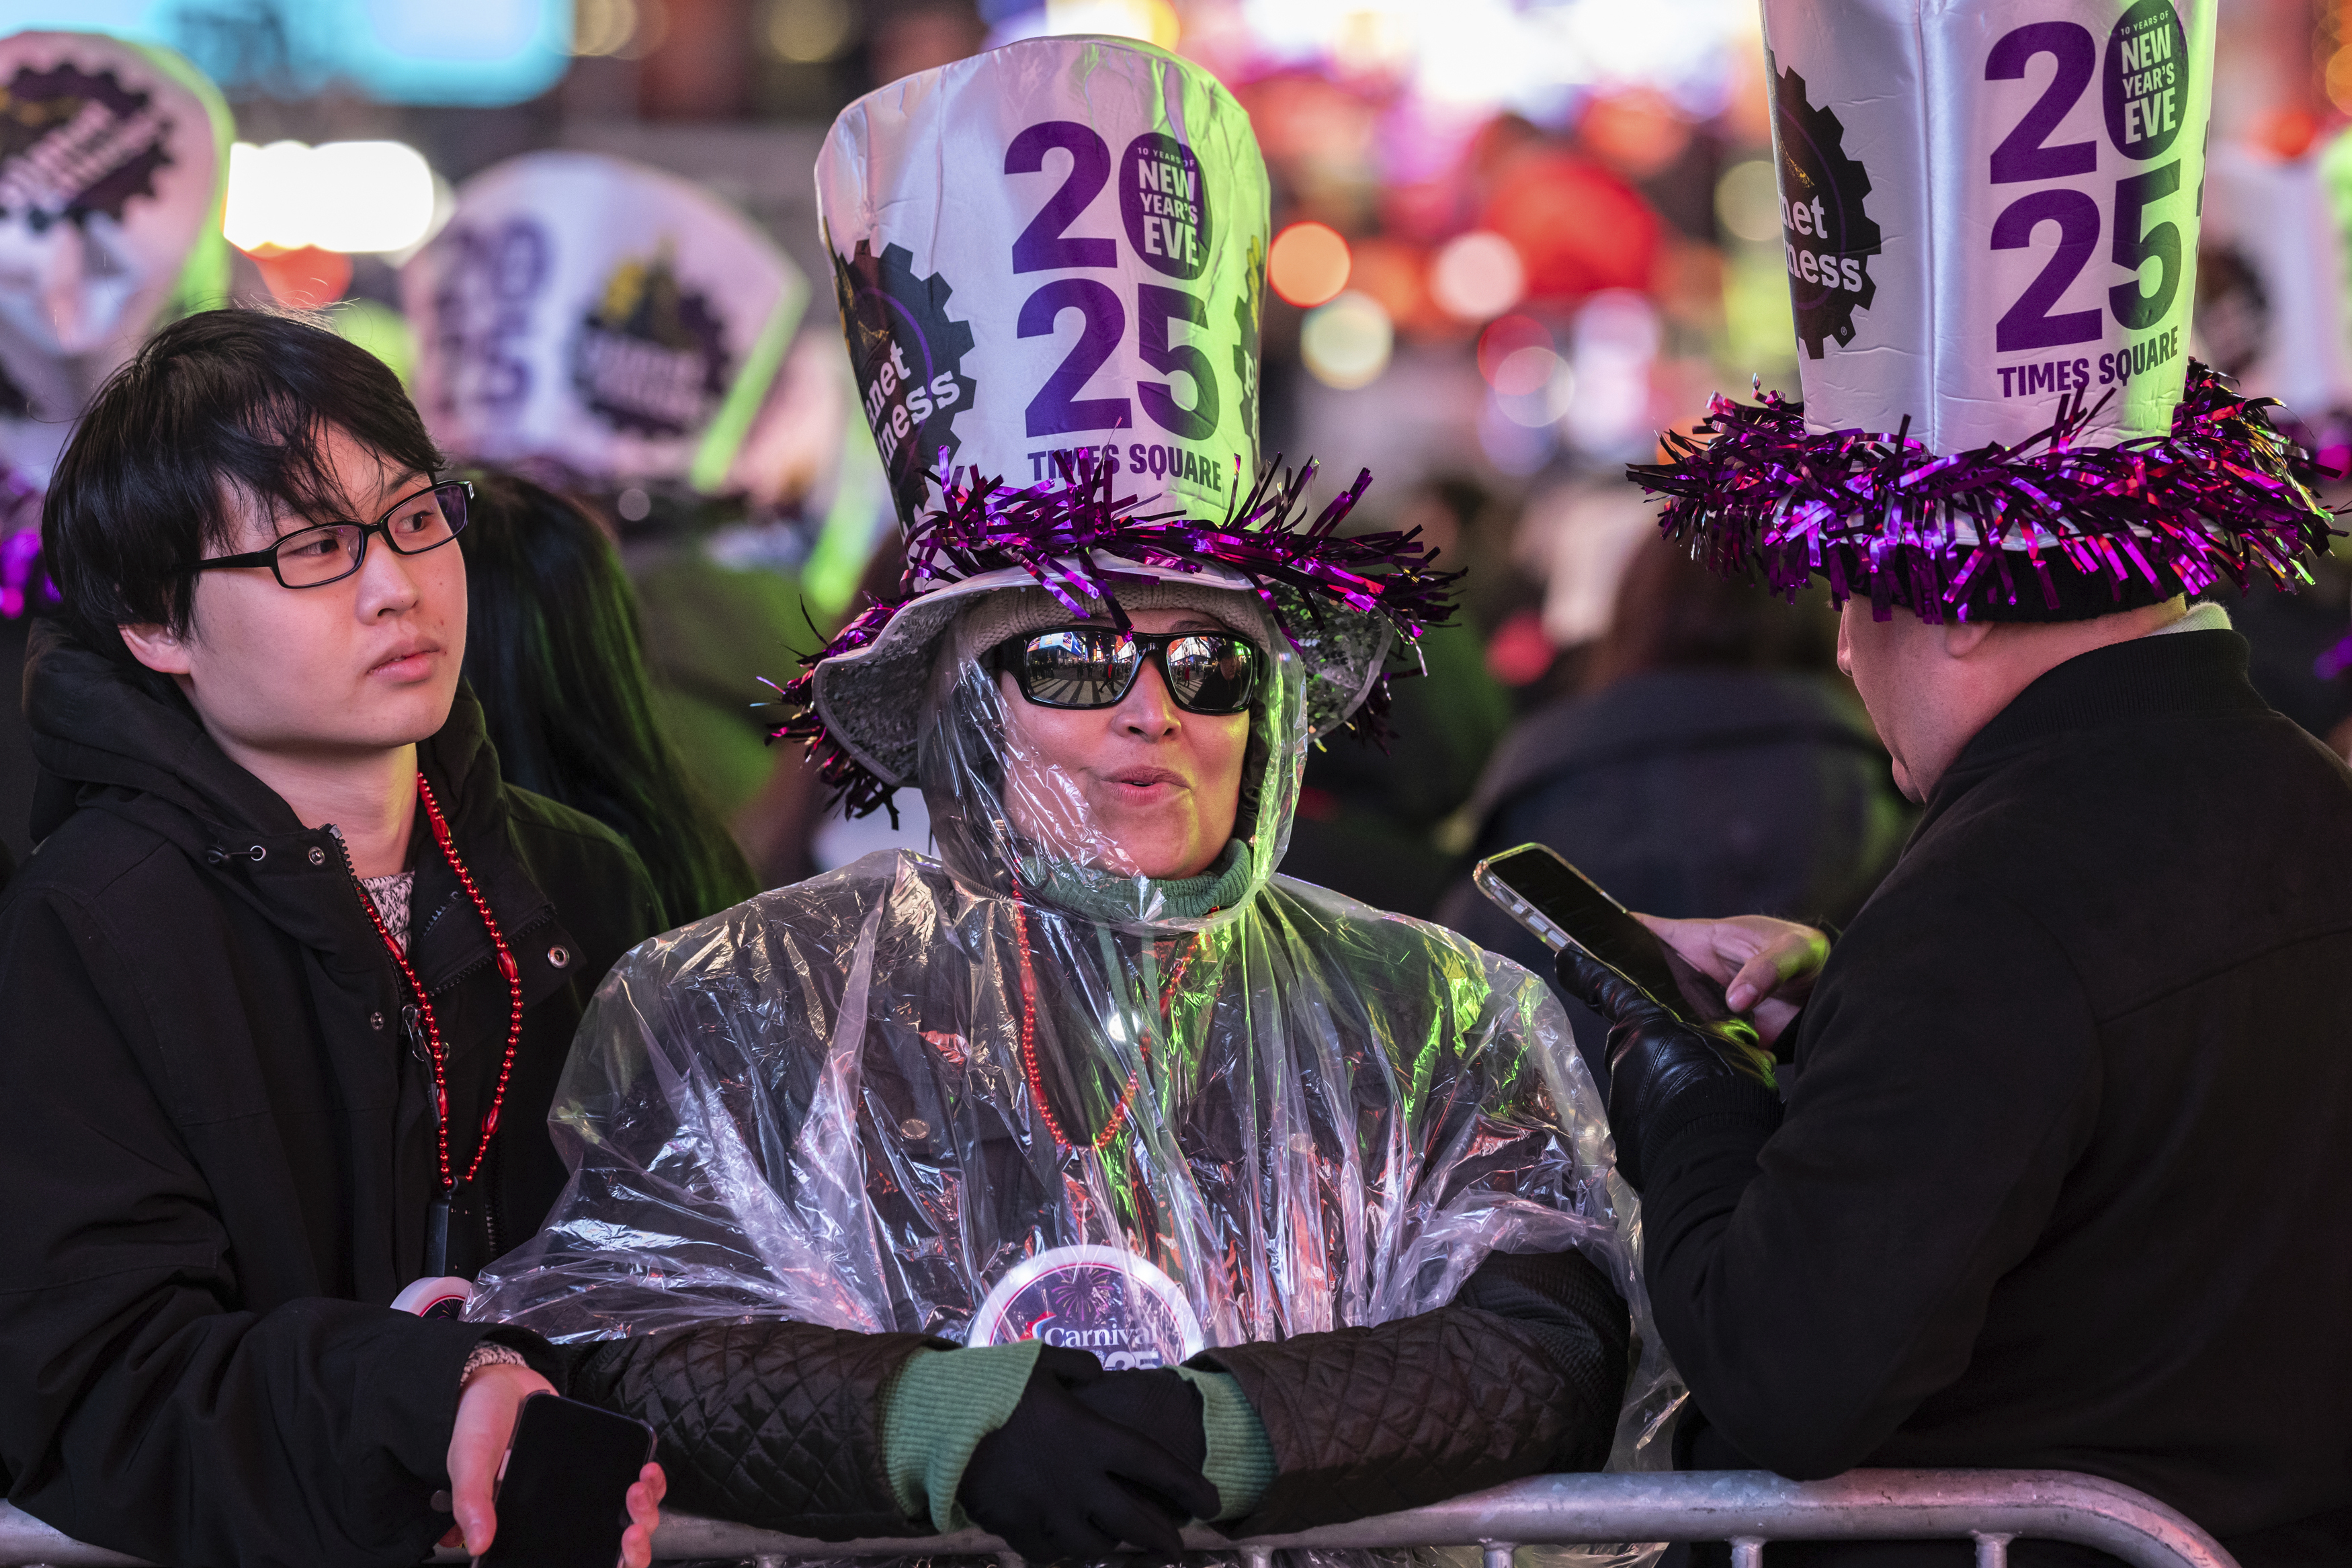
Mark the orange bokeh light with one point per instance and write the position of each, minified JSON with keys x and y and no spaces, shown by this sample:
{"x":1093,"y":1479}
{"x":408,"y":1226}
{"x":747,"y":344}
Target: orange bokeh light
{"x":305,"y":280}
{"x":1308,"y":264}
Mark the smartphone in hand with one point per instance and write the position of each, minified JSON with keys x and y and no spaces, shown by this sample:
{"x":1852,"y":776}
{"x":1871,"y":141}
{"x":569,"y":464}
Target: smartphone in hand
{"x":1559,"y":903}
{"x":563,"y":1491}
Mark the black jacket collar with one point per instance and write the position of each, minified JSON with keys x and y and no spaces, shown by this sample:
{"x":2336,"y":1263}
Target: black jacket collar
{"x":106,"y":743}
{"x":2170,"y":675}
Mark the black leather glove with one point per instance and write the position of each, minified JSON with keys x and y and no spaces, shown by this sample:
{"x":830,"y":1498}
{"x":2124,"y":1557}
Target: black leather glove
{"x":1662,"y":1070}
{"x":1059,"y":1480}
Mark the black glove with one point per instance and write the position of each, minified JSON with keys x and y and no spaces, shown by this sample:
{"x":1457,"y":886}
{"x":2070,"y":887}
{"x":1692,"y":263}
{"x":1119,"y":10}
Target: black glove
{"x":1158,"y":1404}
{"x":1662,"y":1070}
{"x":1058,"y":1480}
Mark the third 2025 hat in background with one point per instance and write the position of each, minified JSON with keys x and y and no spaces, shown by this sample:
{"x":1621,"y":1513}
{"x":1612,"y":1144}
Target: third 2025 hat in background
{"x":587,"y":312}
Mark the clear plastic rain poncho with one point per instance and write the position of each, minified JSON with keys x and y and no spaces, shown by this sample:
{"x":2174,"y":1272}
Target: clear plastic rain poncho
{"x":831,"y":1104}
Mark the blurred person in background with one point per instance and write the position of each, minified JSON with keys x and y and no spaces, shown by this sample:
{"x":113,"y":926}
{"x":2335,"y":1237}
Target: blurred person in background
{"x":553,"y":654}
{"x":618,"y":333}
{"x":1471,"y":529}
{"x":115,"y":157}
{"x":2299,"y":651}
{"x":1715,"y":760}
{"x":1370,"y":809}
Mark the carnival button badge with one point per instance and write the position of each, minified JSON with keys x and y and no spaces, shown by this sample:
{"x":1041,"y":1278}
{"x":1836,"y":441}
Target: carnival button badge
{"x":1123,"y":1309}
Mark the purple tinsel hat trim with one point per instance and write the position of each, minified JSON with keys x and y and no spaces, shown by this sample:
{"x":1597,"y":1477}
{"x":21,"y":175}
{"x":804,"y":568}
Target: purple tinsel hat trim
{"x":1056,"y":530}
{"x":21,"y":577}
{"x":2219,"y":497}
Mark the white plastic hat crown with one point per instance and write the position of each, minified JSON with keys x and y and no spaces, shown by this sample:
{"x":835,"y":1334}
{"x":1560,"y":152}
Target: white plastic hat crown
{"x":1051,"y":254}
{"x":1990,"y":208}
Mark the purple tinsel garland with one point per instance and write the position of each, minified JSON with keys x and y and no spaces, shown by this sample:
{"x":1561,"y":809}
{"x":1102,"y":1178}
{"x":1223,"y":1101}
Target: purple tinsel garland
{"x":21,"y":576}
{"x":1056,"y":530}
{"x":2220,"y":496}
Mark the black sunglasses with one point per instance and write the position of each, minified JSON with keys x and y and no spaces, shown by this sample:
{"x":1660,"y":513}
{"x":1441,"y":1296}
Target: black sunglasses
{"x":1095,"y":666}
{"x":311,"y":558}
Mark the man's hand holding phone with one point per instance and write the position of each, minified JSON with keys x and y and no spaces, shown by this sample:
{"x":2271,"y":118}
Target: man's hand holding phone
{"x":1673,"y":991}
{"x":487,"y":1407}
{"x":1766,"y":966}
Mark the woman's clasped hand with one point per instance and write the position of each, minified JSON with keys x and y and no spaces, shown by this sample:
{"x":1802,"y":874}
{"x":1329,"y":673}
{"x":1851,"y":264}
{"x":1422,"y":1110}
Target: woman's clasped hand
{"x":1089,"y":1459}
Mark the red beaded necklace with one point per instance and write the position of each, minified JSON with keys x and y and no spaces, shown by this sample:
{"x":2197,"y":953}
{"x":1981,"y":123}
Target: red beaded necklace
{"x":1029,"y":1036}
{"x":432,"y":1044}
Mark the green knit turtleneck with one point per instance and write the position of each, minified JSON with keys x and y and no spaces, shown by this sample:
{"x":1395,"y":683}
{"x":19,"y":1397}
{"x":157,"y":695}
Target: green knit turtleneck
{"x":1093,"y":894}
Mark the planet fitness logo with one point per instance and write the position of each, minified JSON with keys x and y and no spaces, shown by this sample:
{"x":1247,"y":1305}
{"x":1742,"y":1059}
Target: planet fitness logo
{"x":73,"y":143}
{"x":1827,"y":235}
{"x":907,"y":354}
{"x":651,"y":357}
{"x":1121,"y":1308}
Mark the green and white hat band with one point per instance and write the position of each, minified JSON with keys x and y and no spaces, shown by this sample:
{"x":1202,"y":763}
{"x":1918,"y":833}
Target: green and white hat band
{"x":1990,"y":210}
{"x":1050,"y":253}
{"x":593,"y":312}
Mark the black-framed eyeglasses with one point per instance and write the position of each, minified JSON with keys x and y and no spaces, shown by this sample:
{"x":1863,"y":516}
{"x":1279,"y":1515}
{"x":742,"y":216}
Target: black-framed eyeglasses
{"x":1210,"y":672}
{"x":311,"y":558}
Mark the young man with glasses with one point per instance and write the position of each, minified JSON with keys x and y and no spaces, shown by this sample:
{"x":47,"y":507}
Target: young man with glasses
{"x":288,"y":982}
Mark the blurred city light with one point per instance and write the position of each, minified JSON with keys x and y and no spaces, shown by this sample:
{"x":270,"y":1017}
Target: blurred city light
{"x":810,"y":32}
{"x":1613,"y":344}
{"x":1308,"y":264}
{"x":352,"y":197}
{"x":604,"y":26}
{"x":1532,"y":55}
{"x":1533,"y":385}
{"x":2338,"y":78}
{"x":1506,"y":337}
{"x":307,"y":279}
{"x":1747,"y":202}
{"x":1394,"y":273}
{"x":1153,"y":21}
{"x":473,"y":52}
{"x":1477,"y":275}
{"x":418,"y":51}
{"x":1347,"y":343}
{"x":1512,"y":444}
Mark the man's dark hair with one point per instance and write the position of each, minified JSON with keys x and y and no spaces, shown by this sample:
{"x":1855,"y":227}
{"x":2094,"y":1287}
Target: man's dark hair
{"x":219,"y":404}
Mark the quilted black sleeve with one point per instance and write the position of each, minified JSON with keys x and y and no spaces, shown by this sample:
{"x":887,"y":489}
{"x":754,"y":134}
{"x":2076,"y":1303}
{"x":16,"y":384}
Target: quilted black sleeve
{"x":1521,"y":1375}
{"x":776,"y":1425}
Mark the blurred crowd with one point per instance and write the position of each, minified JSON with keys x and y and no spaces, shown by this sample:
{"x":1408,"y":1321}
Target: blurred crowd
{"x":1527,"y":287}
{"x":602,"y":352}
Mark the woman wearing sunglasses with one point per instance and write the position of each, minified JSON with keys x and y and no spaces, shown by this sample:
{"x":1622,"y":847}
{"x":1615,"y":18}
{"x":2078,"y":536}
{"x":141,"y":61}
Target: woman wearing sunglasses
{"x":1089,"y":1177}
{"x":1083,"y":1177}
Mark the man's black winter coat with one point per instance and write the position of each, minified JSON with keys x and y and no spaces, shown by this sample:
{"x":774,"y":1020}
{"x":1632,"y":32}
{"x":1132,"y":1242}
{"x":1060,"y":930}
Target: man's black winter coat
{"x":217,"y":1146}
{"x":2065,"y":1174}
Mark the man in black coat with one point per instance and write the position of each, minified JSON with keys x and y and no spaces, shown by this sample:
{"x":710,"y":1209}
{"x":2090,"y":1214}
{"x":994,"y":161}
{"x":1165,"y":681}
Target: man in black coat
{"x":279,"y":892}
{"x":2059,"y":1180}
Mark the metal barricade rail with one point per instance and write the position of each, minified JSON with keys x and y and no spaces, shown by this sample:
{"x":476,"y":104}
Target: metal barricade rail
{"x":1746,"y":1508}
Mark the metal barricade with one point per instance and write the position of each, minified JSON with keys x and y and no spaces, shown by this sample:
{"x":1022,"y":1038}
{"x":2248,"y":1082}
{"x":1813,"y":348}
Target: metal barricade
{"x":1746,"y":1508}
